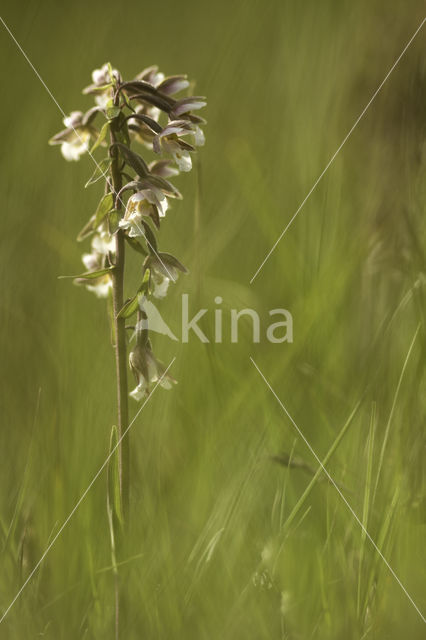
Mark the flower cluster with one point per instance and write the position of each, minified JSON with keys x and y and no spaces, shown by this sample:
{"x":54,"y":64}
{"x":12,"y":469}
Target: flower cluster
{"x":150,"y":110}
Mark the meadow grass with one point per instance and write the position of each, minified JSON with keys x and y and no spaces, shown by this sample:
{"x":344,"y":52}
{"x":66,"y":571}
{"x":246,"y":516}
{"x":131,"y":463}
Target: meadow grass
{"x":223,"y":541}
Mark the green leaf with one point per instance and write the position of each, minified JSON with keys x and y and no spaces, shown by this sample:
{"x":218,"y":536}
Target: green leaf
{"x":113,"y":112}
{"x":133,"y":160}
{"x":95,"y":89}
{"x":114,"y":217}
{"x":136,"y":245}
{"x":101,"y":137}
{"x":90,"y":275}
{"x":100,"y":171}
{"x":132,"y":305}
{"x":145,"y":282}
{"x":150,"y":238}
{"x":122,"y":134}
{"x":105,"y":205}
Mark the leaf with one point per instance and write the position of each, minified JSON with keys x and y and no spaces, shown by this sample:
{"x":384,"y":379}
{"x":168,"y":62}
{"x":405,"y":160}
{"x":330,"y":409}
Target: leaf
{"x":150,"y":238}
{"x":101,"y":137}
{"x":133,"y":159}
{"x":136,"y":245}
{"x":145,"y":280}
{"x":96,"y":89}
{"x":104,"y":207}
{"x":132,"y":305}
{"x":89,"y":275}
{"x":127,"y":102}
{"x":114,"y":217}
{"x":122,"y":133}
{"x":99,"y":172}
{"x":113,"y":112}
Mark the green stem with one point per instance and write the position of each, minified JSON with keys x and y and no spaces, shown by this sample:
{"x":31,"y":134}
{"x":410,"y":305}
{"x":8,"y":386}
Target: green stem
{"x":120,"y":342}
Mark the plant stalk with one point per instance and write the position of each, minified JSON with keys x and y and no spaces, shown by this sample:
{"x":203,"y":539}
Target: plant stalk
{"x":120,"y":343}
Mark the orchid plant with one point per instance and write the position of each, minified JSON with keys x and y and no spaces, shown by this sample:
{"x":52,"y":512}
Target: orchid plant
{"x":144,"y":112}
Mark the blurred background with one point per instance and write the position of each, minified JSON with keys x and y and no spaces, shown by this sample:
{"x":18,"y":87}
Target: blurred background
{"x":224,"y":542}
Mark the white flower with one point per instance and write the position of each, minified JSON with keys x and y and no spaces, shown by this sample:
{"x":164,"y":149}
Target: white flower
{"x":102,"y":99}
{"x":163,"y":268}
{"x":74,"y":148}
{"x":101,"y":287}
{"x":138,"y":392}
{"x":102,"y":77}
{"x":161,"y":285}
{"x":73,"y":120}
{"x":102,"y":245}
{"x":140,"y":204}
{"x":137,"y":207}
{"x":147,"y":370}
{"x":156,"y":78}
{"x":170,"y":141}
{"x":199,"y":137}
{"x":75,"y":139}
{"x":179,"y":155}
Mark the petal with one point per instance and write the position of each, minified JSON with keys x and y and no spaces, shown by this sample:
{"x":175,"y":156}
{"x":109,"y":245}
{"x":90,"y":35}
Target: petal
{"x":183,"y":160}
{"x":69,"y":151}
{"x":102,"y":288}
{"x":138,"y":392}
{"x":161,"y":286}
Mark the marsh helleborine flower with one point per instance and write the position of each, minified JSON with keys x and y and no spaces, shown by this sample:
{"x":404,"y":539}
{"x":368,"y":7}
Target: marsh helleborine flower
{"x":141,"y":111}
{"x":148,"y":371}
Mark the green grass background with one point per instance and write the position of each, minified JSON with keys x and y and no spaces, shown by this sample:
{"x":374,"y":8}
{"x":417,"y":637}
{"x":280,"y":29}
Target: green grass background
{"x":211,"y":553}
